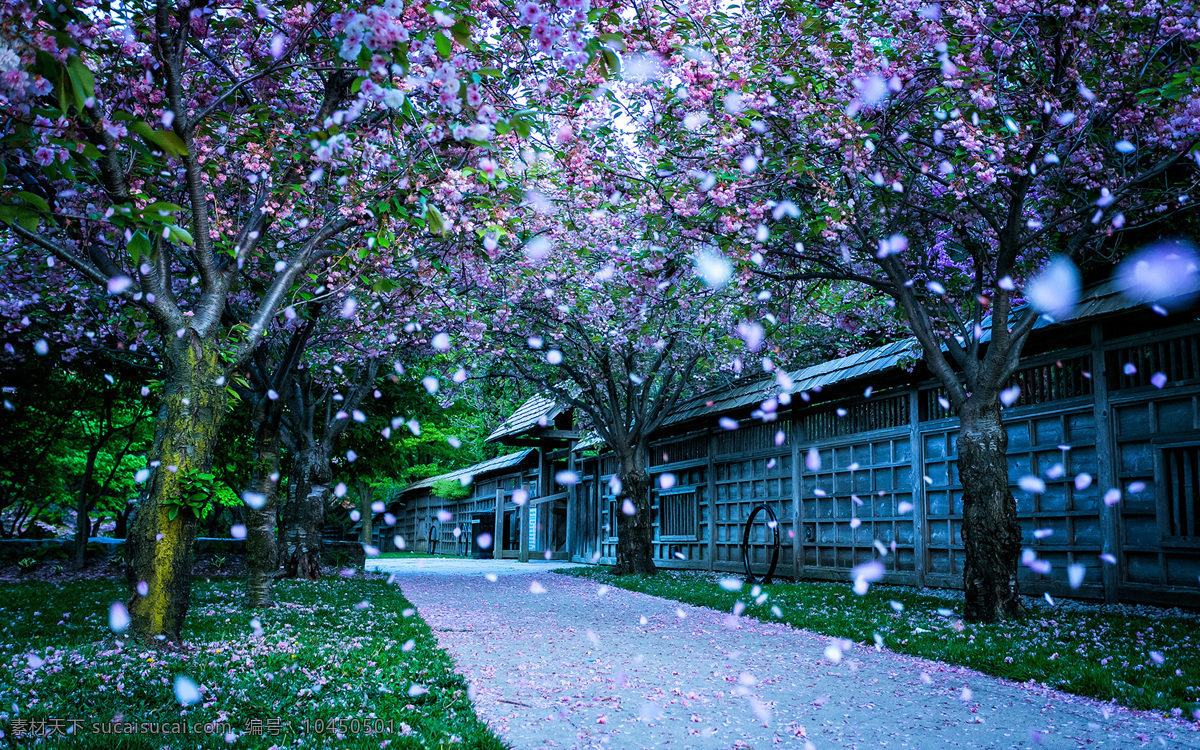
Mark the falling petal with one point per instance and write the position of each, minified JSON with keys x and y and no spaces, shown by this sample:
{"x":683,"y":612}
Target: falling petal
{"x":1055,"y":290}
{"x":186,"y":691}
{"x":119,"y":284}
{"x":713,"y":267}
{"x":1075,"y":573}
{"x":812,"y":460}
{"x":118,"y":618}
{"x":1164,"y":271}
{"x":1031,"y":484}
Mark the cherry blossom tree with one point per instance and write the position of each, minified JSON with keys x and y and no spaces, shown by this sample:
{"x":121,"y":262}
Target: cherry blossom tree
{"x":177,"y":156}
{"x":610,"y":324}
{"x":961,"y":158}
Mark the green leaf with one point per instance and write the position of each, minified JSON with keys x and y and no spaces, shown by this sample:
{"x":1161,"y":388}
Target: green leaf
{"x":493,"y":72}
{"x":462,"y":35}
{"x":612,"y":63}
{"x":164,"y":139}
{"x":502,"y":127}
{"x":33,"y":198}
{"x":444,"y":46}
{"x":161,"y":206}
{"x":82,"y":80}
{"x":435,"y":220}
{"x":179,"y":234}
{"x":172,"y":512}
{"x":139,"y":247}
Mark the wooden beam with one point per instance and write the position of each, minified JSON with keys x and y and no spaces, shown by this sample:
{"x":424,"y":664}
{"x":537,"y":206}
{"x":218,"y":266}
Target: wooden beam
{"x":498,"y":532}
{"x":710,"y":474}
{"x":523,"y":526}
{"x":560,"y":434}
{"x":572,"y":509}
{"x":1105,"y":467}
{"x":918,"y":484}
{"x":797,"y":527}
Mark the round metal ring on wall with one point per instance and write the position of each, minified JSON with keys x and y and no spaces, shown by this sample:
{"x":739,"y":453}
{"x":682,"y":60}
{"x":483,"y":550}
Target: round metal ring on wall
{"x":773,"y":524}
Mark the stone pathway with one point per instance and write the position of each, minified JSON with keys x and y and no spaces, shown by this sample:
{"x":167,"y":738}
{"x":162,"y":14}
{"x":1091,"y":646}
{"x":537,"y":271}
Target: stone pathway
{"x":559,"y":662}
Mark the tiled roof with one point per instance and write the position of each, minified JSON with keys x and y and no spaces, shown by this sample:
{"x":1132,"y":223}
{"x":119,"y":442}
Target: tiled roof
{"x":498,"y":463}
{"x":534,"y":412}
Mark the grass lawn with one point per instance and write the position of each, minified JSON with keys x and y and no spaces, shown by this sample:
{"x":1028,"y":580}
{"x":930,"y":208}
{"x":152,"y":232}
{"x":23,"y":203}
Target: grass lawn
{"x":344,"y":663}
{"x":1148,"y":660}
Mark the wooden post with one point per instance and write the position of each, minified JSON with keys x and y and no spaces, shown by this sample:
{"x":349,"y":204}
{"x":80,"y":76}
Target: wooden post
{"x":1105,"y":466}
{"x":572,"y":505}
{"x":711,"y":475}
{"x":797,"y":530}
{"x":498,"y":533}
{"x":523,"y":530}
{"x":545,"y":487}
{"x":918,"y":484}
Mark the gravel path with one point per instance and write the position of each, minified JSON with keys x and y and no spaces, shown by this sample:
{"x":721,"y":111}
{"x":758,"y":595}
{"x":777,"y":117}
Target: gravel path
{"x":559,"y":662}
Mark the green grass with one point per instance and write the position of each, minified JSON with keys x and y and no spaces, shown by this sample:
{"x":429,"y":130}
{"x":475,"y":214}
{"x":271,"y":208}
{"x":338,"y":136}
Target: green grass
{"x":410,"y":556}
{"x":332,"y":650}
{"x":1093,"y":651}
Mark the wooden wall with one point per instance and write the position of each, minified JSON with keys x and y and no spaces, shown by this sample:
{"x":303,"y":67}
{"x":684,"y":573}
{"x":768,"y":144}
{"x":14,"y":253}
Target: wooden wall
{"x":886,"y":486}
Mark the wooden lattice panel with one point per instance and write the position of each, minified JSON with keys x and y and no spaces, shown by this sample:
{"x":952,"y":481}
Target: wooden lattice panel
{"x":853,"y":500}
{"x":1147,"y":432}
{"x":1062,"y":525}
{"x":741,"y":485}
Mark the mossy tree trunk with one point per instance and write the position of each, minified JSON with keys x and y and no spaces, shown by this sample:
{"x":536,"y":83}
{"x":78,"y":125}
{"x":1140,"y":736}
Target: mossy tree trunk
{"x":268,"y":378}
{"x":991,"y":534}
{"x":635,"y":532}
{"x":164,"y":528}
{"x":304,"y":515}
{"x":366,"y":493}
{"x":262,"y":552}
{"x":310,"y":482}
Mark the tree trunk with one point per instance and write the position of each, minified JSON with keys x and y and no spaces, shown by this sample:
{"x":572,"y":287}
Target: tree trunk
{"x":262,"y":551}
{"x":365,"y":493}
{"x":991,"y":535}
{"x":304,"y":515}
{"x":83,"y":505}
{"x":160,"y":547}
{"x":122,"y":519}
{"x":635,"y":533}
{"x":83,"y":527}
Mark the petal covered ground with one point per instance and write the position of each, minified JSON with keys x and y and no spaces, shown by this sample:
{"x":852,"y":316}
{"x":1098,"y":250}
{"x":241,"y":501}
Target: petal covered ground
{"x":558,"y":662}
